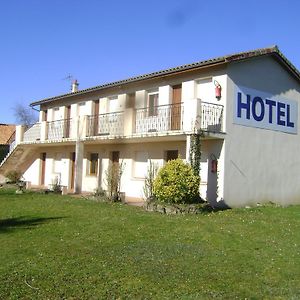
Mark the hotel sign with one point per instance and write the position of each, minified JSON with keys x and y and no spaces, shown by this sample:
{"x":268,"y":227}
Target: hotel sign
{"x":254,"y":108}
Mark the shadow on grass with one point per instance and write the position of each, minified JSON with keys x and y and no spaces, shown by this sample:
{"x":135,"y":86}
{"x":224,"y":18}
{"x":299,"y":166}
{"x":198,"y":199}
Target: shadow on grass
{"x":11,"y":224}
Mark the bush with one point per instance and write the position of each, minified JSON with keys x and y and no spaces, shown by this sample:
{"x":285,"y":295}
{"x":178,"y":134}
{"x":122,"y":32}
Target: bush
{"x":114,"y":174}
{"x":13,"y":176}
{"x":177,"y":183}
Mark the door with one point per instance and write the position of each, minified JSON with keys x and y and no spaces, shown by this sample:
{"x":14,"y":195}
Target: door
{"x":68,"y":122}
{"x":176,"y":108}
{"x":96,"y":118}
{"x":73,"y":155}
{"x":43,"y":168}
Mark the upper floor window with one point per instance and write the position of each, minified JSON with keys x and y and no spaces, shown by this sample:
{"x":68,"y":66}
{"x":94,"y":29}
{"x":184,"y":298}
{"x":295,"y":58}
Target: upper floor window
{"x":205,"y":90}
{"x":57,"y":115}
{"x":81,"y":109}
{"x":153,"y":103}
{"x":113,"y":104}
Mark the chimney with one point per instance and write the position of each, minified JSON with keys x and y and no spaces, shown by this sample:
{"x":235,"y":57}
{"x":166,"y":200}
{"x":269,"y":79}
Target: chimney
{"x":74,"y":87}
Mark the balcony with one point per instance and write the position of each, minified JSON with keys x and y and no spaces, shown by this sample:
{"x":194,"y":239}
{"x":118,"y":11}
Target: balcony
{"x":59,"y":129}
{"x":177,"y":118}
{"x":211,"y":117}
{"x":159,"y":118}
{"x":106,"y":124}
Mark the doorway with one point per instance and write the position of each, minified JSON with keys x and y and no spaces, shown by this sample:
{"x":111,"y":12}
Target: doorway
{"x":176,"y":108}
{"x":43,"y":168}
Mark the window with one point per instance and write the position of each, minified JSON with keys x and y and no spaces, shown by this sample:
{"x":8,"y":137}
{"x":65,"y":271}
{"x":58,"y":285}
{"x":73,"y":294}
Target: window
{"x":140,"y":164}
{"x":57,"y":114}
{"x":81,"y":109}
{"x":205,"y":90}
{"x":93,"y":170}
{"x":171,"y":154}
{"x":57,"y":163}
{"x":115,"y":156}
{"x":152,"y":103}
{"x":113,"y":104}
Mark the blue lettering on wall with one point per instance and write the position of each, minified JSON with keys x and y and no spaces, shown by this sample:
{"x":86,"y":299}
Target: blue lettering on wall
{"x":256,"y":117}
{"x":258,"y":109}
{"x":242,"y":105}
{"x":271,"y":104}
{"x":288,"y":117}
{"x":281,"y":114}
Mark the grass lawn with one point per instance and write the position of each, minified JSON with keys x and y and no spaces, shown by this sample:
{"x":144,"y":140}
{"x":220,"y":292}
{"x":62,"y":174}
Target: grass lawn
{"x":58,"y":247}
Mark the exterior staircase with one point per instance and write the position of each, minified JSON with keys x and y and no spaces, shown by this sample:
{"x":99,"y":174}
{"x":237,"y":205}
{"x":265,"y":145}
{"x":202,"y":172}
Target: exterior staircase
{"x":19,"y":159}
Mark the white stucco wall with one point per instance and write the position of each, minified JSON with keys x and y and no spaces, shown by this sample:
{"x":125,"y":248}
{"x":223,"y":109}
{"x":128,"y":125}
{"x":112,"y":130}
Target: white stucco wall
{"x":131,"y":185}
{"x":261,"y":165}
{"x":32,"y":173}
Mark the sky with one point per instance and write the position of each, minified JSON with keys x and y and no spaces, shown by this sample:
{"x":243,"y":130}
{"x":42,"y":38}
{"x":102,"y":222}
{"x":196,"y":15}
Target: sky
{"x":43,"y":42}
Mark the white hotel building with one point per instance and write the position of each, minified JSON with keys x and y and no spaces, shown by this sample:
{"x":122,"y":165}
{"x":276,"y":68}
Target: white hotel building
{"x":251,"y":130}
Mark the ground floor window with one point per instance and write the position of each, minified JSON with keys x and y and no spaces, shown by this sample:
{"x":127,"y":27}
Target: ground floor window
{"x":93,"y":164}
{"x":140,"y":164}
{"x":171,"y":154}
{"x":115,"y":156}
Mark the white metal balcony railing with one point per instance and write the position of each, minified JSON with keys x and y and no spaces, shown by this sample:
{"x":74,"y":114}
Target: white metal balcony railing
{"x":106,"y":124}
{"x":211,"y":117}
{"x":155,"y":119}
{"x":59,"y":129}
{"x":159,"y":118}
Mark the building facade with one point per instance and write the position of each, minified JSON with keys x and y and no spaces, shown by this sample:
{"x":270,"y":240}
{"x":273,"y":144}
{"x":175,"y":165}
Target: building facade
{"x":245,"y":106}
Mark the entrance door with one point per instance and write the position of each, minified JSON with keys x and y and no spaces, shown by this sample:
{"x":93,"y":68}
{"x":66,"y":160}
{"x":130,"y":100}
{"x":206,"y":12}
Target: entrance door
{"x":72,"y":169}
{"x":43,"y":168}
{"x":176,"y":108}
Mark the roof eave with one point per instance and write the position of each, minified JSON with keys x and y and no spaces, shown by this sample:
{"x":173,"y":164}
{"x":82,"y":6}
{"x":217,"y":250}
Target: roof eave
{"x":149,"y":76}
{"x":185,"y":68}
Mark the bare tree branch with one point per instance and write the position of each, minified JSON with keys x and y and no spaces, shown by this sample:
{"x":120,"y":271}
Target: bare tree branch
{"x":24,"y":115}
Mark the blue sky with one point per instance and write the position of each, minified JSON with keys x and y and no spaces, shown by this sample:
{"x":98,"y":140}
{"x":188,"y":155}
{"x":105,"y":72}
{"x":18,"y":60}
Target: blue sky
{"x":42,"y":42}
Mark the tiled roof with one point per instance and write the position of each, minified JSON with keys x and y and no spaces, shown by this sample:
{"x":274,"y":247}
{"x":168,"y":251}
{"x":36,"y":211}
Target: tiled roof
{"x":6,"y":131}
{"x":219,"y":60}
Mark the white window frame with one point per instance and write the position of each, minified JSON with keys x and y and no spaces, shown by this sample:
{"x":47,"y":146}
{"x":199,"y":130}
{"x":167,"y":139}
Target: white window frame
{"x":135,"y":165}
{"x":89,"y":164}
{"x":152,"y":110}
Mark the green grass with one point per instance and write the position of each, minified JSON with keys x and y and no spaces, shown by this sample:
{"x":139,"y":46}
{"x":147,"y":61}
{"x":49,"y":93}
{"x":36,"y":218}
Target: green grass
{"x":58,"y":247}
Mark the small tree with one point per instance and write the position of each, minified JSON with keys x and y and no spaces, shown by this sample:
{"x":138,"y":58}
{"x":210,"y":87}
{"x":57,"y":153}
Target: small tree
{"x":176,"y":182}
{"x":114,"y":174}
{"x":149,"y":181}
{"x":24,"y":115}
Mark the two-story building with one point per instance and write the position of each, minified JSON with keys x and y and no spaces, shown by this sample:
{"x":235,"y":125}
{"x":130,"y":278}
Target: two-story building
{"x":245,"y":106}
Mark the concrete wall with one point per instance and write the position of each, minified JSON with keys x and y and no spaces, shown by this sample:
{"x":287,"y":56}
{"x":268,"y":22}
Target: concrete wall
{"x":261,"y":165}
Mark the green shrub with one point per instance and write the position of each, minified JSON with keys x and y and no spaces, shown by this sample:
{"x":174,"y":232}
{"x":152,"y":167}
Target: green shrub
{"x":176,"y":182}
{"x":13,"y":176}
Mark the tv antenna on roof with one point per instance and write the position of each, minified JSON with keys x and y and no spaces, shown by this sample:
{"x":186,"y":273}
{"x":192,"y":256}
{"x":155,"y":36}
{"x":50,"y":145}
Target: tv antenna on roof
{"x":71,"y":79}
